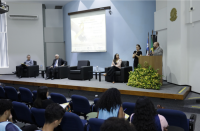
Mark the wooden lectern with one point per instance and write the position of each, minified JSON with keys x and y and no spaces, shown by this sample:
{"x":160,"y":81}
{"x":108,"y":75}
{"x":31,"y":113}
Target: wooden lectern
{"x":153,"y":61}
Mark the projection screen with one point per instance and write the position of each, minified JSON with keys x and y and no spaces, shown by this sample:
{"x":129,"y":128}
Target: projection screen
{"x":88,"y":32}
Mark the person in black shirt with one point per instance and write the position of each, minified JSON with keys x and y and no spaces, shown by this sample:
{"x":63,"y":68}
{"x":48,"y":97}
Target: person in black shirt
{"x":41,"y":100}
{"x":53,"y":117}
{"x":136,"y":54}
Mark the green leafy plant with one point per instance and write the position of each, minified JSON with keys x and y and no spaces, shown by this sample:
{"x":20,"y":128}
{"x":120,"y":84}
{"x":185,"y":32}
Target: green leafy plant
{"x":146,"y":78}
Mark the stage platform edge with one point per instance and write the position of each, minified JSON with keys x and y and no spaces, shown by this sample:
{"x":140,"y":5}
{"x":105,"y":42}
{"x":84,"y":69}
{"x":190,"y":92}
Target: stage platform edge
{"x":180,"y":96}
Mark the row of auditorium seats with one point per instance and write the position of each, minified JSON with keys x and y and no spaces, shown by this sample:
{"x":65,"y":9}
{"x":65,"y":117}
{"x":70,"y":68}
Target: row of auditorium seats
{"x":81,"y":106}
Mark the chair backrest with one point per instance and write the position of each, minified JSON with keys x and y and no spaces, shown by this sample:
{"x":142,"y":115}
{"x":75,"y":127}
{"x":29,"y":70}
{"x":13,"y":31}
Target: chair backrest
{"x":80,"y":104}
{"x":34,"y":94}
{"x":2,"y":92}
{"x":39,"y":116}
{"x":11,"y":93}
{"x":22,"y":112}
{"x":95,"y":124}
{"x":96,"y":100}
{"x":128,"y":107}
{"x":26,"y":95}
{"x":125,"y":63}
{"x":34,"y":62}
{"x":175,"y":118}
{"x":58,"y":98}
{"x":94,"y":107}
{"x":71,"y":122}
{"x":83,"y":63}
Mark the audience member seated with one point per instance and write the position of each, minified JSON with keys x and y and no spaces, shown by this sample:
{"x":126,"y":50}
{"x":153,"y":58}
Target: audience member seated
{"x":41,"y":100}
{"x":53,"y":117}
{"x":117,"y":124}
{"x":110,"y":105}
{"x":116,"y":66}
{"x":6,"y":122}
{"x":146,"y":118}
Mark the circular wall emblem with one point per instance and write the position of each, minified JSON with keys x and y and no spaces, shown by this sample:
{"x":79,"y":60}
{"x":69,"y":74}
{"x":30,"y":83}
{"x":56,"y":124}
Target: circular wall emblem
{"x":173,"y":14}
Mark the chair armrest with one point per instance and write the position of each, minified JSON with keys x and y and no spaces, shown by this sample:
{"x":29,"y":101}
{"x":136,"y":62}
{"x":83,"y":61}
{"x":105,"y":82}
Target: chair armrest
{"x":86,"y":69}
{"x":34,"y":66}
{"x":192,"y":122}
{"x":73,"y":68}
{"x":62,"y":67}
{"x":127,"y":68}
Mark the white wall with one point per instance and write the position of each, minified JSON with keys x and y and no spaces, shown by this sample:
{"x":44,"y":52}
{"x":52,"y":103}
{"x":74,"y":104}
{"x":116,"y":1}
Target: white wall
{"x":160,"y":4}
{"x":24,"y":36}
{"x":54,"y":17}
{"x":182,"y":42}
{"x":53,"y":32}
{"x":160,"y":25}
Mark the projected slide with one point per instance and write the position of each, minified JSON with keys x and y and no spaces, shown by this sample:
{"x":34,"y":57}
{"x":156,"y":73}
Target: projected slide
{"x":88,"y":32}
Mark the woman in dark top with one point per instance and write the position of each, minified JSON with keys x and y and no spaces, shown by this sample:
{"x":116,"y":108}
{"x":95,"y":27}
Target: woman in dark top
{"x":41,"y":100}
{"x":136,"y":54}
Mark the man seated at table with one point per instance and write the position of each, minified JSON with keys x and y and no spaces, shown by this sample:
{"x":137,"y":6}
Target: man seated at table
{"x":52,"y":69}
{"x":23,"y":66}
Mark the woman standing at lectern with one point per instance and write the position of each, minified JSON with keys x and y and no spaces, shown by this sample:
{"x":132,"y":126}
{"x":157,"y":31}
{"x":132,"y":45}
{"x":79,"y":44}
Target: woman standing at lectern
{"x":136,"y":54}
{"x":115,"y":66}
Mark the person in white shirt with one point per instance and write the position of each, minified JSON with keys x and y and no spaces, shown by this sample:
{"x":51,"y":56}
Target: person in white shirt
{"x":56,"y":63}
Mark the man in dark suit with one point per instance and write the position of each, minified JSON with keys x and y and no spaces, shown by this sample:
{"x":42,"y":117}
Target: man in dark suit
{"x":52,"y":69}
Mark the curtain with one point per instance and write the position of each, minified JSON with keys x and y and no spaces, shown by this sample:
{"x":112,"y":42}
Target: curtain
{"x":3,"y":42}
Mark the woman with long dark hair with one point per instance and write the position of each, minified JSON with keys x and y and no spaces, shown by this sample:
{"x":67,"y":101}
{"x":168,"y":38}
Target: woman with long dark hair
{"x":146,"y":118}
{"x":110,"y":105}
{"x":41,"y":100}
{"x":115,"y":66}
{"x":136,"y":54}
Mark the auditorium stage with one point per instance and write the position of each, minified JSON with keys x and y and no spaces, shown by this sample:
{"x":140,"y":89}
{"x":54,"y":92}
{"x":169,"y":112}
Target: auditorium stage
{"x":168,"y":91}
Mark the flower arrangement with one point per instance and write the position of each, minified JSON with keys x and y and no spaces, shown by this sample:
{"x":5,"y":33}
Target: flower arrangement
{"x":146,"y":78}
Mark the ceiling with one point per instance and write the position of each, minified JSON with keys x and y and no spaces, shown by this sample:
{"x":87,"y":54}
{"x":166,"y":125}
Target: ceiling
{"x":50,"y":4}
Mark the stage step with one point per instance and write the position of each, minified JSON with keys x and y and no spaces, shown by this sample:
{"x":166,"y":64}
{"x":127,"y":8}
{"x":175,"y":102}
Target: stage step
{"x":192,"y":98}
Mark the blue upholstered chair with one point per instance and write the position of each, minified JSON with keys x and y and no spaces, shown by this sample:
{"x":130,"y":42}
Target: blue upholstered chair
{"x":22,"y":112}
{"x":95,"y":124}
{"x":39,"y":116}
{"x":2,"y":93}
{"x":72,"y":122}
{"x":178,"y":118}
{"x":93,"y":106}
{"x":34,"y":95}
{"x":58,"y":98}
{"x":128,"y":107}
{"x":81,"y":105}
{"x":26,"y":95}
{"x":11,"y":93}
